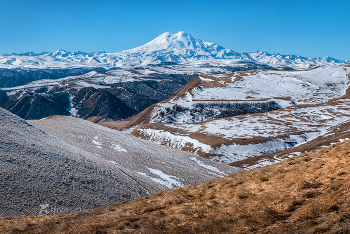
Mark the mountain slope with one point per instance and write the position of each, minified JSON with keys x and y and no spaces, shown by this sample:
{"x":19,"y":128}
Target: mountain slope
{"x":41,"y":174}
{"x":80,"y":165}
{"x":305,"y":194}
{"x":178,"y":48}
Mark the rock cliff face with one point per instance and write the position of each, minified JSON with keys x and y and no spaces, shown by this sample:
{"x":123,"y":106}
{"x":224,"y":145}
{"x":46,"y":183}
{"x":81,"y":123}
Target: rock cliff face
{"x":21,"y":76}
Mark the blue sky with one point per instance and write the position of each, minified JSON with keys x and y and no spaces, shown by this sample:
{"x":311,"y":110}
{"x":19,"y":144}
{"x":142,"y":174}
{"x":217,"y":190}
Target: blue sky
{"x":309,"y":28}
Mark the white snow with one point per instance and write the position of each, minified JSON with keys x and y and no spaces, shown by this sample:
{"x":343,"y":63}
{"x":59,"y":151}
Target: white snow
{"x":175,"y":141}
{"x":236,"y":152}
{"x":314,"y":86}
{"x":86,"y":84}
{"x":205,"y":79}
{"x":119,"y":148}
{"x":12,"y":93}
{"x":200,"y":163}
{"x":43,"y":209}
{"x":166,"y":180}
{"x":186,"y":127}
{"x":74,"y":112}
{"x":96,"y":142}
{"x":343,"y":140}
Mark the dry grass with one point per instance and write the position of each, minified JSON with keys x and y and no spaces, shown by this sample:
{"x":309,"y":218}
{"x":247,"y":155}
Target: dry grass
{"x":306,"y":194}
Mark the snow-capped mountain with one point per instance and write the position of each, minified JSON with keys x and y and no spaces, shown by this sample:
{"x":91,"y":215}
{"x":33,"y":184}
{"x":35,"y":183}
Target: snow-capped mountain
{"x":179,"y":48}
{"x":168,"y":47}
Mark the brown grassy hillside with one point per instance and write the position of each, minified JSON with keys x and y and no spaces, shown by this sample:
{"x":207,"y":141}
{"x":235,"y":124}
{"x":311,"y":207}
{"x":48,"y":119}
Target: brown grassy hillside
{"x":309,"y":193}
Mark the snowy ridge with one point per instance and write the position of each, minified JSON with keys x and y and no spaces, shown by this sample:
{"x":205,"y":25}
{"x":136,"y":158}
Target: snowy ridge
{"x":168,"y":47}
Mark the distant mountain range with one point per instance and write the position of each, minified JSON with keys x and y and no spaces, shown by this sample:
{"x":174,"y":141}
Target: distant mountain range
{"x":168,"y":47}
{"x":119,"y":85}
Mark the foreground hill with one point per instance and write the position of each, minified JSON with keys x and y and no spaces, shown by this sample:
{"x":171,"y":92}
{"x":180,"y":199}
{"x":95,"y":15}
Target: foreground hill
{"x":81,"y":165}
{"x":304,"y":194}
{"x":243,"y":115}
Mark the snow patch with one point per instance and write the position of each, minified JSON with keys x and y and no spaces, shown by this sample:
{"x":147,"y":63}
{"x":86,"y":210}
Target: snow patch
{"x":175,"y":141}
{"x":235,"y":152}
{"x":200,"y":163}
{"x":205,"y":79}
{"x":119,"y":148}
{"x":166,"y":180}
{"x":96,"y":142}
{"x":343,"y":140}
